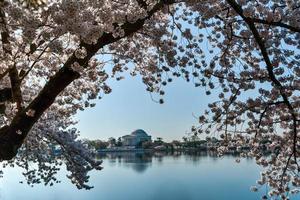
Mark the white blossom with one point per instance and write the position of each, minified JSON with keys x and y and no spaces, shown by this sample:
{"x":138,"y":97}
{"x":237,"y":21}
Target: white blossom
{"x":19,"y":132}
{"x":30,"y":113}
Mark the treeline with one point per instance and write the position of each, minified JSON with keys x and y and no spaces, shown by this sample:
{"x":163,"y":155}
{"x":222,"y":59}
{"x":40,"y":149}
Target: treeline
{"x":158,"y":143}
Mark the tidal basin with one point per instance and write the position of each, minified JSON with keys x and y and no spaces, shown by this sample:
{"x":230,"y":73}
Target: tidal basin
{"x":148,"y":176}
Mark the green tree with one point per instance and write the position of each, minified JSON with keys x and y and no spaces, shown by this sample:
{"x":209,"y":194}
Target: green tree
{"x":99,"y":144}
{"x":147,"y":145}
{"x":158,"y":141}
{"x":112,"y":141}
{"x":119,"y":142}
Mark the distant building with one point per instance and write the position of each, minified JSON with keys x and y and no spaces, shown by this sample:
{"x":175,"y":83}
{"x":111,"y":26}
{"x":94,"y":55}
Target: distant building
{"x":135,"y":138}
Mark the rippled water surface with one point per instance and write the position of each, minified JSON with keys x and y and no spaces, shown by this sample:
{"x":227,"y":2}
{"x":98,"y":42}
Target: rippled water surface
{"x":137,"y":176}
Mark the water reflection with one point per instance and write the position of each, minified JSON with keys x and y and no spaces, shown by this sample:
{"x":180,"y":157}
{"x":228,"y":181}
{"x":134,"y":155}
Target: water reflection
{"x":138,"y":161}
{"x":150,"y":176}
{"x":141,"y":161}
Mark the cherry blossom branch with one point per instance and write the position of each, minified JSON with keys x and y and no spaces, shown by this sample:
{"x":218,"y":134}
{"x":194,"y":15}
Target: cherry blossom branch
{"x":12,"y":136}
{"x":4,"y":74}
{"x":278,"y":24}
{"x":263,"y":114}
{"x":271,"y":74}
{"x":13,"y":72}
{"x":36,"y":60}
{"x":286,"y":168}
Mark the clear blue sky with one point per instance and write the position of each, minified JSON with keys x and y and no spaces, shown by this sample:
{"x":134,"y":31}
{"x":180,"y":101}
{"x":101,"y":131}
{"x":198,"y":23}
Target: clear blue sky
{"x":130,"y":107}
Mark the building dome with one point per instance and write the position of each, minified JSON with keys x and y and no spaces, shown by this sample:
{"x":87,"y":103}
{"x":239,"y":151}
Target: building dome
{"x":140,"y":133}
{"x":136,"y":138}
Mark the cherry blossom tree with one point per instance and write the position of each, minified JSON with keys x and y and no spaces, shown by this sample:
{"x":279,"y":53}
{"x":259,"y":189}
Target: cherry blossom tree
{"x":56,"y":58}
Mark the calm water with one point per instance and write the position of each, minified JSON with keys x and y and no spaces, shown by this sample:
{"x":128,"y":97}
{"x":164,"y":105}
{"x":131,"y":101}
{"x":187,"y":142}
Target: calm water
{"x":149,"y":177}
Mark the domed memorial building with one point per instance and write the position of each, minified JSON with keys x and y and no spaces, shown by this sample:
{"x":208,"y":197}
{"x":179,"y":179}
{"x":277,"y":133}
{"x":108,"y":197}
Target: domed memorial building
{"x":135,"y":138}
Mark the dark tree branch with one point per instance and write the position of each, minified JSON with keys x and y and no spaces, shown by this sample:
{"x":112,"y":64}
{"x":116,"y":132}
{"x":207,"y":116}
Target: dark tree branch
{"x":5,"y":94}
